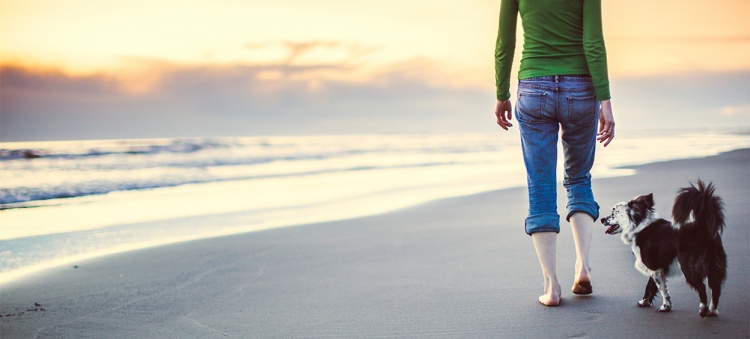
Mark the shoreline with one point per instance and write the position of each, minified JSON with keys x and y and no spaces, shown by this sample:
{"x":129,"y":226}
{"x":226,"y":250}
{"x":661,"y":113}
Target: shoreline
{"x":436,"y":269}
{"x":39,"y":268}
{"x":30,"y":270}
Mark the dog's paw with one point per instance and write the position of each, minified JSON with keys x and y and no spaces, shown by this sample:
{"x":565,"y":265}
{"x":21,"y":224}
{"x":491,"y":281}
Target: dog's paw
{"x":702,"y":310}
{"x":644,"y":303}
{"x":712,"y":310}
{"x":664,"y":308}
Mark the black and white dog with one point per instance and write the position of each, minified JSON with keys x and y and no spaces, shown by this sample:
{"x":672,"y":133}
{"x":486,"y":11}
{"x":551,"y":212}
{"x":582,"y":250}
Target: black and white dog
{"x":661,"y":249}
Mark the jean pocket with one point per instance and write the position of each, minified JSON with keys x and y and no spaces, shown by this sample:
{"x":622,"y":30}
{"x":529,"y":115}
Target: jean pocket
{"x":530,"y":107}
{"x":581,"y":110}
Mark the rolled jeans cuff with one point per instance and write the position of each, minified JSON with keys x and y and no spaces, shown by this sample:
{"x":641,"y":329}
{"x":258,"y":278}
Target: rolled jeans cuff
{"x":549,"y":222}
{"x":590,"y":208}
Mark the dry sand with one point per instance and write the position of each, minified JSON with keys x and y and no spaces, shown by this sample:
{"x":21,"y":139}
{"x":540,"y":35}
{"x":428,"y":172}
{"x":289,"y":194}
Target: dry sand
{"x":460,"y":267}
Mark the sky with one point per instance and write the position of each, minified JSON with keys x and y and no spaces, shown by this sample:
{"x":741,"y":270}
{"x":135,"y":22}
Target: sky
{"x":103,"y":69}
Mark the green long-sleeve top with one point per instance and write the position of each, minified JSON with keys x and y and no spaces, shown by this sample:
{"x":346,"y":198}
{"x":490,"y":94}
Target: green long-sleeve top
{"x":560,"y":37}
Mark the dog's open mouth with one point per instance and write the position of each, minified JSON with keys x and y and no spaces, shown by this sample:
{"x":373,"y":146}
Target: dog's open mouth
{"x":612,"y":229}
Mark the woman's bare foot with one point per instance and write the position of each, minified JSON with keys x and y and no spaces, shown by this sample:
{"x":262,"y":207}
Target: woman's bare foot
{"x":582,"y":282}
{"x":545,"y":244}
{"x":552,"y":292}
{"x":582,"y":225}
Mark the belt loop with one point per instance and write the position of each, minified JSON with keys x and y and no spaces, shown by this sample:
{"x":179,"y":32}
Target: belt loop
{"x":557,"y":79}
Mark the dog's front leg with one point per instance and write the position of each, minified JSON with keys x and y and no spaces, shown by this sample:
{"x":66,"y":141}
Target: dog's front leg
{"x":661,"y":283}
{"x":649,"y":294}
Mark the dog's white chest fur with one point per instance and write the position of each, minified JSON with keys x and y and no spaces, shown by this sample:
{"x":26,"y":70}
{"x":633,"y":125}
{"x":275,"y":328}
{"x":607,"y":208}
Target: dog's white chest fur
{"x":639,"y":265}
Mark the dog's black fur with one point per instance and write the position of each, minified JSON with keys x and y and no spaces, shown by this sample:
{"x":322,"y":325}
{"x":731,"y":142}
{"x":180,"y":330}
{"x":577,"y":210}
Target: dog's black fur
{"x":658,"y":245}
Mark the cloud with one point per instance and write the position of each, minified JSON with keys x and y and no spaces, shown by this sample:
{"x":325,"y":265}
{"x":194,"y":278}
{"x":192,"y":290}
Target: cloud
{"x":310,"y":52}
{"x":732,"y":111}
{"x":334,"y":96}
{"x":236,"y":100}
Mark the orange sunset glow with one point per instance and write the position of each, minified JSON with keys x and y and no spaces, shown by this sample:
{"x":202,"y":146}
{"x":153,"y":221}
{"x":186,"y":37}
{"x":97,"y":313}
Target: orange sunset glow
{"x":139,"y":48}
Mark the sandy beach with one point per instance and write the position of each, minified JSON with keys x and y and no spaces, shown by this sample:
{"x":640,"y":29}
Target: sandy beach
{"x":460,"y":267}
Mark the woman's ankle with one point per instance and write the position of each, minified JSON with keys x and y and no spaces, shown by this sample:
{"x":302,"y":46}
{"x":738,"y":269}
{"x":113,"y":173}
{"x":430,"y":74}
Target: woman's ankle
{"x":581,"y":270}
{"x":552,"y":294}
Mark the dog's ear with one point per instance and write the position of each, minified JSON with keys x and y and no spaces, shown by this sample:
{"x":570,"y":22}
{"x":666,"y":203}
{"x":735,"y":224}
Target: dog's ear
{"x":649,"y":198}
{"x":646,"y":200}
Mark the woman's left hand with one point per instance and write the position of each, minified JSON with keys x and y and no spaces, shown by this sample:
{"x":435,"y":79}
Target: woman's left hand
{"x":606,"y":123}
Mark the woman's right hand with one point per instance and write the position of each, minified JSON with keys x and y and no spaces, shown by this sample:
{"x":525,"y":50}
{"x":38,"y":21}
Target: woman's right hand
{"x":503,"y":112}
{"x":606,"y":123}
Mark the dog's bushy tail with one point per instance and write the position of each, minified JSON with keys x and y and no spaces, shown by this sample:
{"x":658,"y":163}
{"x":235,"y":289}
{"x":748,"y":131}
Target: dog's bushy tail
{"x":706,"y":207}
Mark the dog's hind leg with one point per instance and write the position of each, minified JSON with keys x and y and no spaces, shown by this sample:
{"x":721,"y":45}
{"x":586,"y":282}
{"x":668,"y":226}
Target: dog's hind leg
{"x":697,"y":284}
{"x":649,"y":294}
{"x":717,"y":273}
{"x":661,"y":283}
{"x":694,"y":271}
{"x":715,"y":284}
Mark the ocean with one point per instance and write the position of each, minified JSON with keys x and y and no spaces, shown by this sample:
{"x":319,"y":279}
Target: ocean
{"x":66,"y":201}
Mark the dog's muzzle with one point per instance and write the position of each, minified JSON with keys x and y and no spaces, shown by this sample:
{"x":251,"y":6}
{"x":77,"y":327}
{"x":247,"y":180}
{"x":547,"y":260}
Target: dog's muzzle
{"x":612,"y":228}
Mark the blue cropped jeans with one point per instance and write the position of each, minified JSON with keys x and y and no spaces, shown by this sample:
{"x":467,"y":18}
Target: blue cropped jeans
{"x":548,"y":106}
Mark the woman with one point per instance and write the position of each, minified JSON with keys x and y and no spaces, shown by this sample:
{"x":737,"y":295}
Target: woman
{"x":563,"y":87}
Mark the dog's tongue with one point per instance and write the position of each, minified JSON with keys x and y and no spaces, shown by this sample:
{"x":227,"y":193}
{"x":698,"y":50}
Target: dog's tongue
{"x":610,"y":229}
